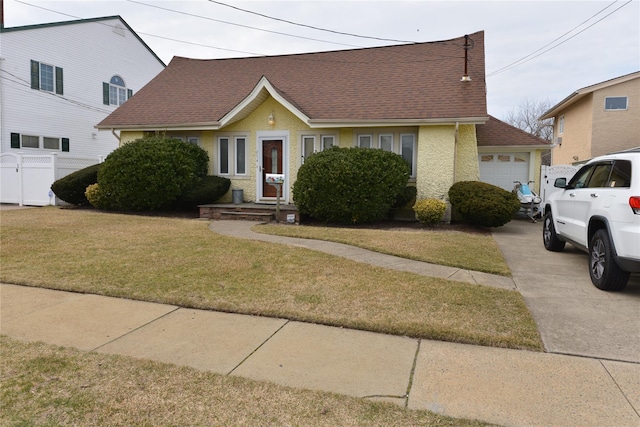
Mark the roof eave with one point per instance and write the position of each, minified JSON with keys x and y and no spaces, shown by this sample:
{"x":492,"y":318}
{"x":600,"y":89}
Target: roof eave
{"x":162,"y":127}
{"x":340,"y":123}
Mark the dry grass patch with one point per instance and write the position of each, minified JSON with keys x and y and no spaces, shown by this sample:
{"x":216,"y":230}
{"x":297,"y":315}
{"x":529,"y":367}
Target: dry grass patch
{"x":43,"y":385}
{"x":181,"y":262}
{"x":469,"y":251}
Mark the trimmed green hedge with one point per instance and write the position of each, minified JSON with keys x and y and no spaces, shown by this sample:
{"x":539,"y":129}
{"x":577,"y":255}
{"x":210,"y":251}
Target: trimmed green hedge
{"x":151,"y":173}
{"x":71,"y":188}
{"x":350,"y":185}
{"x":208,"y":190}
{"x":483,"y":204}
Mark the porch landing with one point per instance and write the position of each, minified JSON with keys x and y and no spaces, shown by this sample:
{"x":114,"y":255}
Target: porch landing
{"x":250,"y":211}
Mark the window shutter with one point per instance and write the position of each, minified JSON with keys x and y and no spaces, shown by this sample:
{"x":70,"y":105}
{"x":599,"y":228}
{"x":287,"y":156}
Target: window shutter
{"x":59,"y":85}
{"x":35,"y":74}
{"x":65,"y":144}
{"x":15,"y":140}
{"x":105,"y":93}
{"x":129,"y":93}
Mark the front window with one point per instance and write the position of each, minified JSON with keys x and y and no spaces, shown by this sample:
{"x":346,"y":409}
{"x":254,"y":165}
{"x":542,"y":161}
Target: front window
{"x":364,"y":141}
{"x":386,"y":142}
{"x":408,"y":151}
{"x":613,"y":103}
{"x":232,"y":155}
{"x":311,"y":145}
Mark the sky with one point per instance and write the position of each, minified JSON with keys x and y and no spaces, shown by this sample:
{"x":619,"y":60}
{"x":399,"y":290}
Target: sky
{"x":540,"y":51}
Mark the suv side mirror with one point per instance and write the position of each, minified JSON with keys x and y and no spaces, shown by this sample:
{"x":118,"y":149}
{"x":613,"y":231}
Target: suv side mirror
{"x":560,"y":183}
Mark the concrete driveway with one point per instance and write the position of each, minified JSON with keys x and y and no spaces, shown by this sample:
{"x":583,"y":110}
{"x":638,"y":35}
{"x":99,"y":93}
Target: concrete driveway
{"x":573,"y":316}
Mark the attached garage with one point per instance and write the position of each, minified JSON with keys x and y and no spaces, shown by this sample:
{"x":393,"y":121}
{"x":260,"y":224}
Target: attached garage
{"x":502,"y":169}
{"x":507,"y":154}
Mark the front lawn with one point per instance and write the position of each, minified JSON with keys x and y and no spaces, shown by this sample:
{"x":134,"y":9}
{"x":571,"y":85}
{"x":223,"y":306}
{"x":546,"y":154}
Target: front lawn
{"x":469,"y":251}
{"x":181,"y":262}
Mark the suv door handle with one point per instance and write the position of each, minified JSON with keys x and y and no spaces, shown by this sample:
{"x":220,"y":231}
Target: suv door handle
{"x":572,"y":194}
{"x":594,"y":195}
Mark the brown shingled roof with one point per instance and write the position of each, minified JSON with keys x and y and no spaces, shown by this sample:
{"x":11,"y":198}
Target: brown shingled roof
{"x":418,"y":81}
{"x":496,"y":133}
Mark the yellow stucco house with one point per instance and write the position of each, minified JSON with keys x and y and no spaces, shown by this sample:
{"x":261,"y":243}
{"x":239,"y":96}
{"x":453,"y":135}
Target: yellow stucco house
{"x":260,"y":115}
{"x":596,"y":120}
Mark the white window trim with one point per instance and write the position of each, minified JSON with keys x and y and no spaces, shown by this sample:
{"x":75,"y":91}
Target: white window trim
{"x":235,"y":155}
{"x":381,"y":135}
{"x":53,"y":76}
{"x":365,"y":135}
{"x":318,"y":143}
{"x":560,"y":125}
{"x":232,"y":158}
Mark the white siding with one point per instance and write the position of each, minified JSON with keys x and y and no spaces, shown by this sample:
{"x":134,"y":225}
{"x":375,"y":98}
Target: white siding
{"x":90,"y":53}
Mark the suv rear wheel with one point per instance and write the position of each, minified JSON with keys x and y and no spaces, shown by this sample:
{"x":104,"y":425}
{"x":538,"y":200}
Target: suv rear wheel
{"x":549,"y":236}
{"x":605,"y":273}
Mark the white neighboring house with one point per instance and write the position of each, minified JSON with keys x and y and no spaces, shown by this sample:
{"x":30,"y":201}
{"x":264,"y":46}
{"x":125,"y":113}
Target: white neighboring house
{"x":57,"y":81}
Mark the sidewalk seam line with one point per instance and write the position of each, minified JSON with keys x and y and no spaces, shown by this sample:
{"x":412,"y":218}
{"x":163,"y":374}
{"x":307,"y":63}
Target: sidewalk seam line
{"x":258,"y":347}
{"x":412,"y":373}
{"x":619,"y":388}
{"x":138,"y":328}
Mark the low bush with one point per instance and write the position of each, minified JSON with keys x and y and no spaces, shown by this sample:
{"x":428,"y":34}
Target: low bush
{"x":96,"y":198}
{"x":430,"y":211}
{"x":483,"y":204}
{"x":349,"y":185}
{"x":151,"y":173}
{"x":208,"y":190}
{"x":71,"y":188}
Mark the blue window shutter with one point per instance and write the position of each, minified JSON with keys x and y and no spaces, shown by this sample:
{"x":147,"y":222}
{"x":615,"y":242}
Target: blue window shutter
{"x":59,"y":84}
{"x":65,"y":144}
{"x":15,"y":140}
{"x":105,"y":93}
{"x":129,"y":93}
{"x":35,"y":74}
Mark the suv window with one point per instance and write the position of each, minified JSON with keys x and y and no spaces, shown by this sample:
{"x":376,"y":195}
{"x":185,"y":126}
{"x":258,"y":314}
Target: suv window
{"x":621,"y":174}
{"x":579,"y":180}
{"x":600,"y":176}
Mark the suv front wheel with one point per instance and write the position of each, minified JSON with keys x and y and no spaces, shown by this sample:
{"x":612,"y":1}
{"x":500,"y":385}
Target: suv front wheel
{"x":605,"y":273}
{"x":549,"y":236}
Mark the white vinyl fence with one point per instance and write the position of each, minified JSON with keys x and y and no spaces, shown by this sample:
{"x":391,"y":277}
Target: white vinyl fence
{"x":549,"y":175}
{"x":25,"y":179}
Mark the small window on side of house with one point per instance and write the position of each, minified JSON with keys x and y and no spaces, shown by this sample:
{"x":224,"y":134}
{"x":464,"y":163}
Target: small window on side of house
{"x":51,"y":143}
{"x":30,"y":141}
{"x":408,"y":152}
{"x":308,"y":146}
{"x":560,"y":125}
{"x":328,"y":141}
{"x":615,"y":103}
{"x":386,"y":141}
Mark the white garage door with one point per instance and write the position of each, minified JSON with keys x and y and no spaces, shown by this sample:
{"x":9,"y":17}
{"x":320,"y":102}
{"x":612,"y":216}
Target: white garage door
{"x":501,"y":169}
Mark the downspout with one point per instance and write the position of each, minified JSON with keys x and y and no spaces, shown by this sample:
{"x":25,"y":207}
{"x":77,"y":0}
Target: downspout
{"x":113,"y":132}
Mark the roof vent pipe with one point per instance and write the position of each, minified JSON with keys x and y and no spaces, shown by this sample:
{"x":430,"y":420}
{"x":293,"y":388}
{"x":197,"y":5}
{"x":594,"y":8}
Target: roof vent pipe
{"x":467,"y":46}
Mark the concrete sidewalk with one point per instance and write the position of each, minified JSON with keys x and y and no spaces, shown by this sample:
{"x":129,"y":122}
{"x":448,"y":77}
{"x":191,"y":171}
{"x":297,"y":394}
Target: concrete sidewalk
{"x":501,"y":386}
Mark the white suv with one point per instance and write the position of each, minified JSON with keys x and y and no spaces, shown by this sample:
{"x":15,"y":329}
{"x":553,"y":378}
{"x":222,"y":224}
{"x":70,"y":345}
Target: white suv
{"x":598,"y":211}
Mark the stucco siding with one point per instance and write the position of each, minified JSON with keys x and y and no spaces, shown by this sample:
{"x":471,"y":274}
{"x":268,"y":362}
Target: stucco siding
{"x":467,"y":168}
{"x":620,"y":129}
{"x":436,"y":146}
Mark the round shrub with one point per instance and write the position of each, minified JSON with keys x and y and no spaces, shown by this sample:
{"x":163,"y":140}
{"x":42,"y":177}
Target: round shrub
{"x":208,"y":190}
{"x":71,"y":188}
{"x":96,"y":198}
{"x":151,"y":173}
{"x":483,"y":204}
{"x":430,"y":211}
{"x":349,"y":185}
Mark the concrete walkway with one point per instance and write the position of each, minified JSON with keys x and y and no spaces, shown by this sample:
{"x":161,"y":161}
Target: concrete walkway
{"x":506,"y":387}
